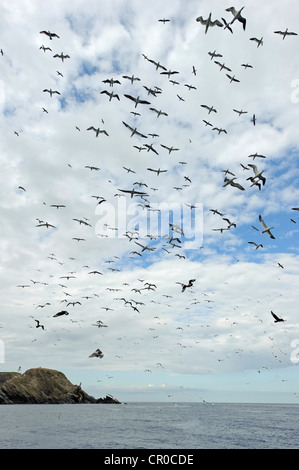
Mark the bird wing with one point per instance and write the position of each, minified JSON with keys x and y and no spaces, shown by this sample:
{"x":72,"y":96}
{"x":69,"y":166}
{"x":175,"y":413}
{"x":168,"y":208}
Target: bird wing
{"x":201,"y":20}
{"x":216,"y":23}
{"x":274,"y":316}
{"x":130,"y":97}
{"x":262,"y":222}
{"x":127,"y":125}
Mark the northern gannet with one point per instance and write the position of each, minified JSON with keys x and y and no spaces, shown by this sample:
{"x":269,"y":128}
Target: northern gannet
{"x":208,"y":22}
{"x":266,"y":229}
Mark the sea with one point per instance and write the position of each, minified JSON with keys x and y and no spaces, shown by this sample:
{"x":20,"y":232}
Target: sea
{"x":136,"y":426}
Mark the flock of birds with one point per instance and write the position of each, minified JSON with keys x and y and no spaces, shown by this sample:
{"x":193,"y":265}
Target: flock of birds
{"x":175,"y":237}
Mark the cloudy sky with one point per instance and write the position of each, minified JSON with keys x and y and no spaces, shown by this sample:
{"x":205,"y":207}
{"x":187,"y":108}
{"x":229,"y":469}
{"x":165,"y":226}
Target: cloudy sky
{"x":215,"y":340}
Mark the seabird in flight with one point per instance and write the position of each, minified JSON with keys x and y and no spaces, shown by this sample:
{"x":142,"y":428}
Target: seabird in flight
{"x":133,"y":192}
{"x":62,"y":56}
{"x":132,"y":78}
{"x":276,"y":318}
{"x":38,"y":325}
{"x":285,"y":33}
{"x":49,"y":34}
{"x":134,"y":131}
{"x":111,"y":95}
{"x":111,"y":81}
{"x":266,"y":229}
{"x":209,"y":108}
{"x":98,"y":131}
{"x":257,"y":174}
{"x":258,"y":41}
{"x":97,"y":353}
{"x":59,"y":314}
{"x":256,"y":245}
{"x":184,"y":286}
{"x":45,"y":48}
{"x":237,"y":16}
{"x":208,"y":22}
{"x":51,"y":92}
{"x":159,"y":113}
{"x":137,"y":100}
{"x":231,"y":182}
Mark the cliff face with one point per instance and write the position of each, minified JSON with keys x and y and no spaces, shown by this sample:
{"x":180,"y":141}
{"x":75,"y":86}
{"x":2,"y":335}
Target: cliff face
{"x":42,"y":386}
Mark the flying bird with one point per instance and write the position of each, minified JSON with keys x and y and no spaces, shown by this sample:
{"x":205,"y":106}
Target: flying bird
{"x":157,"y":171}
{"x":170,"y":149}
{"x":232,"y":78}
{"x":133,"y":192}
{"x":134,"y":131}
{"x":256,"y":245}
{"x":59,"y":314}
{"x":184,"y":286}
{"x":38,"y":325}
{"x":137,"y":100}
{"x":276,"y":318}
{"x":111,"y":95}
{"x":209,"y":108}
{"x":227,"y":25}
{"x":240,"y":112}
{"x":231,"y":182}
{"x":257,"y":174}
{"x":285,"y":33}
{"x":258,"y":41}
{"x":266,"y":229}
{"x":62,"y":56}
{"x":45,"y":224}
{"x":45,"y":48}
{"x":132,"y":78}
{"x":111,"y":81}
{"x":208,"y":22}
{"x":49,"y":34}
{"x":237,"y":16}
{"x":214,"y":54}
{"x":51,"y":92}
{"x":169,"y":72}
{"x":159,"y":113}
{"x":222,"y":66}
{"x":97,"y":353}
{"x":97,"y":131}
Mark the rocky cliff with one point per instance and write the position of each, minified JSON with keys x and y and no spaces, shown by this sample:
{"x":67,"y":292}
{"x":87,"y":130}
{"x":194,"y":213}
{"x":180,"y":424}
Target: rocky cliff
{"x":43,"y":386}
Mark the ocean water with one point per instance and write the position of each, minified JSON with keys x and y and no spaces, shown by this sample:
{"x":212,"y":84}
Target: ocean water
{"x":150,"y":426}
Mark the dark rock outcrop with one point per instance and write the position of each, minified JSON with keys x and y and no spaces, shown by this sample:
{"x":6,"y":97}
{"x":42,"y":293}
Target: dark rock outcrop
{"x":43,"y":386}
